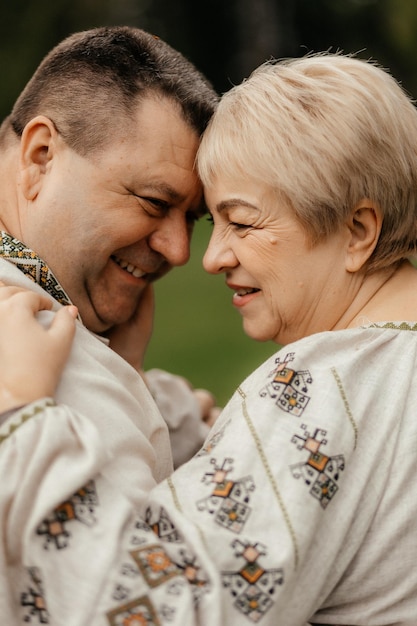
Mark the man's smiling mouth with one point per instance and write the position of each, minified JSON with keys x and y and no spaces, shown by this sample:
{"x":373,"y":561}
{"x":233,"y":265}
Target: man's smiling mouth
{"x":131,"y":269}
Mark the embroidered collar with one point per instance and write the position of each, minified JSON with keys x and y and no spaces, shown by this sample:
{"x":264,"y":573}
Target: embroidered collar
{"x":30,"y":264}
{"x":394,"y":325}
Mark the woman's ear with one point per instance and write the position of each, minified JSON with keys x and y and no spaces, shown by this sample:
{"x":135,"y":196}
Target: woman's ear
{"x":364,"y":223}
{"x":37,"y":147}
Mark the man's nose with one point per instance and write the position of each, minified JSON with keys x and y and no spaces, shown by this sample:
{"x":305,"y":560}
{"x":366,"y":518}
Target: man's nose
{"x":172,"y":240}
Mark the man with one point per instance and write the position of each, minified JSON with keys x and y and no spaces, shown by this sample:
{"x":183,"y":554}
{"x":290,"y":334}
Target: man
{"x":99,"y":198}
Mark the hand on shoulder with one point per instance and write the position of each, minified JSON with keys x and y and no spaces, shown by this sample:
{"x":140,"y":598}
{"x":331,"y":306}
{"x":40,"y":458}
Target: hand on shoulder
{"x":32,"y":357}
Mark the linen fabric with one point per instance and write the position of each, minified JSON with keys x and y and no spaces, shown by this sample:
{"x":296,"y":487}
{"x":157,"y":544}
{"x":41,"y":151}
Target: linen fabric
{"x":300,"y":507}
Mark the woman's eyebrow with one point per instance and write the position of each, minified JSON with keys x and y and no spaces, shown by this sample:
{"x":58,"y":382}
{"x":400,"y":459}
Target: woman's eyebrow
{"x":232,"y":202}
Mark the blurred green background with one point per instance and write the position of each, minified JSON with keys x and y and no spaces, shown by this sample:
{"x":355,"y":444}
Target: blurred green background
{"x":197,"y":332}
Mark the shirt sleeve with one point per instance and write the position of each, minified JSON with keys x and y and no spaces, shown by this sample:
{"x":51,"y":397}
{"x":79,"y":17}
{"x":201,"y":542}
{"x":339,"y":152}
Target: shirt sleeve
{"x":181,"y":412}
{"x":284,"y":517}
{"x":73,"y":550}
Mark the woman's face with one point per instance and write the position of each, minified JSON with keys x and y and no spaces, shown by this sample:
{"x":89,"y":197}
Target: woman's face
{"x":284,"y":287}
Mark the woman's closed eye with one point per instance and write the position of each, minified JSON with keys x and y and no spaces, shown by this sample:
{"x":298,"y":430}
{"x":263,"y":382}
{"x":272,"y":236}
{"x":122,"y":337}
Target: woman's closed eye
{"x":238,"y":226}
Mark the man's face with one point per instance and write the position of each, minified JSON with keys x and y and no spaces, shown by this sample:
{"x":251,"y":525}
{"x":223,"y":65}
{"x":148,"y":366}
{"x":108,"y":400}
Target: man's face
{"x":110,"y":223}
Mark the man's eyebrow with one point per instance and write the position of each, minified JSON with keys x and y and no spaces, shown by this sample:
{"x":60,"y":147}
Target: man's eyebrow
{"x":174,"y":196}
{"x":164,"y":189}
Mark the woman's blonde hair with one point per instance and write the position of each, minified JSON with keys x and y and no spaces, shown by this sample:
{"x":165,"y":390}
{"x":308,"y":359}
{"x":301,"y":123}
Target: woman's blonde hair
{"x":326,"y":131}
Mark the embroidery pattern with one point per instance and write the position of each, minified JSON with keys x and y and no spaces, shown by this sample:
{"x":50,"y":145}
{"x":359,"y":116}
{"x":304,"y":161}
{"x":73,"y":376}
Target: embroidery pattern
{"x":395,"y":325}
{"x":14,"y":421}
{"x":229,"y":500}
{"x":162,"y":526}
{"x":150,"y":567}
{"x":270,"y":474}
{"x":30,"y":264}
{"x":194,"y":574}
{"x":80,"y":507}
{"x":252,"y":586}
{"x":186,"y":562}
{"x":155,"y":565}
{"x":320,"y":472}
{"x":138,"y":612}
{"x":34,"y":598}
{"x":346,"y":404}
{"x":288,"y":387}
{"x":213,"y":441}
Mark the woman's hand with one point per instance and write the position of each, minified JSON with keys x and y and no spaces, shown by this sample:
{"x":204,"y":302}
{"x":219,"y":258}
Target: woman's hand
{"x":32,"y":357}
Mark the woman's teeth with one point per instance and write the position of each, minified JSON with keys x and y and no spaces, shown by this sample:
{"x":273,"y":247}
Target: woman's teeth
{"x":244,"y":292}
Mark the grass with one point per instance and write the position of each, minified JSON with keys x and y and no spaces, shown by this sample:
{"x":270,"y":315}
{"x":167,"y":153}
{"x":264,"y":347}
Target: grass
{"x":197,"y":332}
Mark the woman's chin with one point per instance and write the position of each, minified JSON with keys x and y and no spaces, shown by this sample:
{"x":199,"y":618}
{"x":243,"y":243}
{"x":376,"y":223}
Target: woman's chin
{"x":257,"y":333}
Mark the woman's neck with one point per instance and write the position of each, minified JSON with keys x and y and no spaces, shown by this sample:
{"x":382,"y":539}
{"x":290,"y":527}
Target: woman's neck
{"x":385,"y":296}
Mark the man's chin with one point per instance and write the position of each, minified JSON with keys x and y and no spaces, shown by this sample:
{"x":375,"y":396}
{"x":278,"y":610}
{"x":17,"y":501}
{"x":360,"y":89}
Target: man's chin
{"x":103,"y":323}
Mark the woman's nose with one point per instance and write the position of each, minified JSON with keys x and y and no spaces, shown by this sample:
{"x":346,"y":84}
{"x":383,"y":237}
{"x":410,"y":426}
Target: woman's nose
{"x":219,"y":256}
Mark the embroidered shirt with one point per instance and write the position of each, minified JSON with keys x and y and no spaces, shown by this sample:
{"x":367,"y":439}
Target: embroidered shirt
{"x":300,"y":507}
{"x":32,"y":265}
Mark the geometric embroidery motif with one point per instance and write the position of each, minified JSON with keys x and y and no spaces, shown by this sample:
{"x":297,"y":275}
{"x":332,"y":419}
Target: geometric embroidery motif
{"x":34,"y":598}
{"x":213,"y":441}
{"x":30,"y":264}
{"x":320,"y":472}
{"x":252,"y":586}
{"x":288,"y":387}
{"x":229,"y":500}
{"x":186,"y":563}
{"x":155,"y":564}
{"x":162,"y":526}
{"x":192,"y":571}
{"x":80,"y":507}
{"x":139,"y":612}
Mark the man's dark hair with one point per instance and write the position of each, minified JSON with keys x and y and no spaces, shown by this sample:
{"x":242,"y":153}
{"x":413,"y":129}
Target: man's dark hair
{"x":91,"y":83}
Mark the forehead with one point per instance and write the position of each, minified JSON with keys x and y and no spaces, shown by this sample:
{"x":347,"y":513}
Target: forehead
{"x":160,"y":119}
{"x":155,"y":131}
{"x":154,"y":150}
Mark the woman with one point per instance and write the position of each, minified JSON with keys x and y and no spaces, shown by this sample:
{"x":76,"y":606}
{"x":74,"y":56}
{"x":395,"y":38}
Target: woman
{"x":301,"y":506}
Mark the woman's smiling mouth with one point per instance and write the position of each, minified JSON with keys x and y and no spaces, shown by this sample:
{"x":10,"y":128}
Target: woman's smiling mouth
{"x":243,"y":295}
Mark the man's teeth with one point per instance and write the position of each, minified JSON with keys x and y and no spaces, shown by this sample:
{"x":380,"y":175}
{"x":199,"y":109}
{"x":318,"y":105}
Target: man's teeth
{"x":135,"y":271}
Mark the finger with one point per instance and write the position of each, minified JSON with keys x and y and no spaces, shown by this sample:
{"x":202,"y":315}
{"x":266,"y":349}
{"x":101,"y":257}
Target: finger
{"x":22,"y":303}
{"x":213,"y":415}
{"x":7,"y":291}
{"x":206,"y":401}
{"x":62,"y":328}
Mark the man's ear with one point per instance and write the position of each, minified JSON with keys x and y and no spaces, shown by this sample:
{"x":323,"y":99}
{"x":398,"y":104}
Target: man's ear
{"x":364,"y":223}
{"x":37,"y":146}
